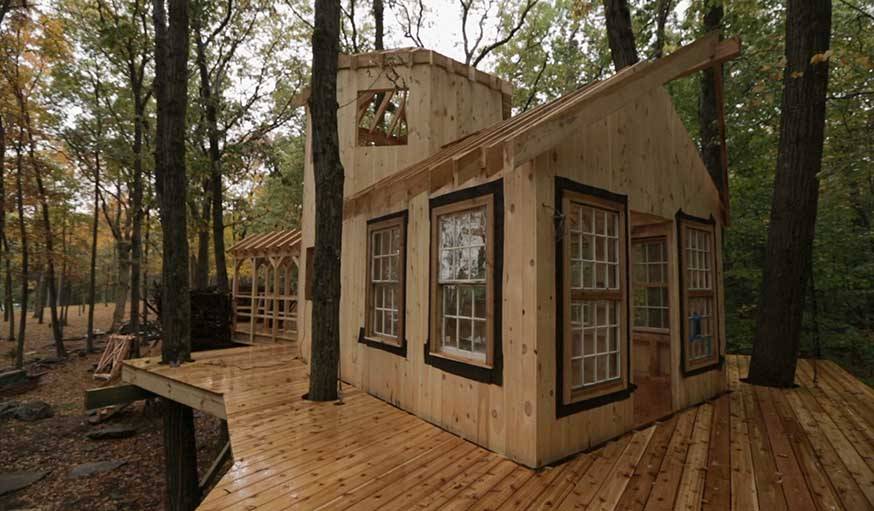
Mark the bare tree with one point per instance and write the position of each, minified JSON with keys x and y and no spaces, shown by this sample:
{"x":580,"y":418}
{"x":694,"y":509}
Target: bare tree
{"x":796,"y":193}
{"x":411,"y":15}
{"x":475,"y":48}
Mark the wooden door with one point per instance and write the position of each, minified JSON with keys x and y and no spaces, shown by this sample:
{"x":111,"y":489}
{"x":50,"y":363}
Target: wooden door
{"x":651,"y":332}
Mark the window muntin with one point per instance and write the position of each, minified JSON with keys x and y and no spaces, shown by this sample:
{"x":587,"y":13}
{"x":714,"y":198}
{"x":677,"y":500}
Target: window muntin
{"x":699,"y":294}
{"x":594,"y":248}
{"x":463,"y":280}
{"x":699,"y":305}
{"x":594,"y":342}
{"x":594,"y":297}
{"x":385,"y":281}
{"x":650,"y":277}
{"x":382,"y":117}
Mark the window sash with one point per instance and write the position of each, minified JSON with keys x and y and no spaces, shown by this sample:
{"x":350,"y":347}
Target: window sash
{"x":460,"y":331}
{"x":384,"y":303}
{"x":701,"y":337}
{"x":594,"y":365}
{"x":650,"y":275}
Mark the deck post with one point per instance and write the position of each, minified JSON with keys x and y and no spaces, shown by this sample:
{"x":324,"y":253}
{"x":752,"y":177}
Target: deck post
{"x":275,"y":297}
{"x":235,"y":290}
{"x":252,"y":309}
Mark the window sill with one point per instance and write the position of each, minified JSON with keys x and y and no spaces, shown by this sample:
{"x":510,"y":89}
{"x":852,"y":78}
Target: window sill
{"x":466,"y":368}
{"x":395,"y":349}
{"x":587,"y":399}
{"x":694,"y":368}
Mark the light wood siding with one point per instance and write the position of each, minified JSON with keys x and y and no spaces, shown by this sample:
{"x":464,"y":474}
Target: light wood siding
{"x":642,"y":151}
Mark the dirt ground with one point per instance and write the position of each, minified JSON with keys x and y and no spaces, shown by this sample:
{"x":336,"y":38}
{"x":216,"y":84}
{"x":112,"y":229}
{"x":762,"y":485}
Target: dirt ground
{"x":59,"y":443}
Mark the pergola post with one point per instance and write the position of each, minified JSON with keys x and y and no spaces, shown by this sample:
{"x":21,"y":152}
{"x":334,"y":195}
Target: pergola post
{"x":275,"y":296}
{"x":253,"y":310}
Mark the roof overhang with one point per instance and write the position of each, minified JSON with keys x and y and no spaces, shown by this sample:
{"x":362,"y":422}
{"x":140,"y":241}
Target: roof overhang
{"x":522,"y":138}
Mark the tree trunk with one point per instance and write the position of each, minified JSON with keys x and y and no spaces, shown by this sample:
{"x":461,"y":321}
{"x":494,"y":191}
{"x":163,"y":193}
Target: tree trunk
{"x":22,"y":228}
{"x":39,"y":304}
{"x":378,"y":22}
{"x":663,"y":10}
{"x":92,"y":276}
{"x":215,"y":189}
{"x":180,"y":452}
{"x":201,"y":262}
{"x":709,"y":101}
{"x":328,"y":171}
{"x":136,"y":239}
{"x":10,"y":304}
{"x":796,"y":191}
{"x":146,"y":270}
{"x":620,"y":36}
{"x":171,"y":83}
{"x":122,"y":283}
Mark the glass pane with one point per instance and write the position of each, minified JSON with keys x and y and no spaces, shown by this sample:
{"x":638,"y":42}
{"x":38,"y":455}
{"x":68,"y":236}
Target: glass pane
{"x":576,"y":373}
{"x":465,"y":339}
{"x":466,"y":296}
{"x":479,"y":299}
{"x":588,"y":370}
{"x":450,"y":332}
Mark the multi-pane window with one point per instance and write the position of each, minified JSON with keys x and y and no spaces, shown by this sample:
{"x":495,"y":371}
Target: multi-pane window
{"x":650,"y":277}
{"x":385,"y":279}
{"x":463,"y":277}
{"x":699,"y":282}
{"x":594,"y":295}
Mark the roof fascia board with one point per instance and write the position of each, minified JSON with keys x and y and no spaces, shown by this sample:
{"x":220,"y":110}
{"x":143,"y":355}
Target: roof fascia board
{"x":615,"y":92}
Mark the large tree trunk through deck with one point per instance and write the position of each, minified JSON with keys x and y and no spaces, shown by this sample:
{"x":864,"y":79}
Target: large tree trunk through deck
{"x":708,"y":107}
{"x":171,"y":84}
{"x":796,"y":191}
{"x":328,"y":172}
{"x":620,"y":34}
{"x":4,"y":246}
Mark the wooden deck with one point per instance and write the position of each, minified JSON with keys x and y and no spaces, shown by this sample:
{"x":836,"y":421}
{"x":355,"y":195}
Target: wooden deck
{"x":809,"y":448}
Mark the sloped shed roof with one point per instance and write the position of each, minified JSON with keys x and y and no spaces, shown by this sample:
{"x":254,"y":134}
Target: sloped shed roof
{"x":523,"y":137}
{"x":274,"y":243}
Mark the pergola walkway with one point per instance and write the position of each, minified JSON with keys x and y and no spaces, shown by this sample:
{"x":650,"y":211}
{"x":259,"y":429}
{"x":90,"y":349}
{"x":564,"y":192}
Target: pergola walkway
{"x":809,"y":448}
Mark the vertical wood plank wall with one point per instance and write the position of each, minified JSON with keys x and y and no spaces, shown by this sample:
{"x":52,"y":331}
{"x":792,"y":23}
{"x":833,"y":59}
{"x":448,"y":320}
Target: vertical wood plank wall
{"x":642,"y":150}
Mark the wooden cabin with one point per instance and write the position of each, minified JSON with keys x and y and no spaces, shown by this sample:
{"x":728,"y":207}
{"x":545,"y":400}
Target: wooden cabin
{"x":537,"y":284}
{"x":265,"y":286}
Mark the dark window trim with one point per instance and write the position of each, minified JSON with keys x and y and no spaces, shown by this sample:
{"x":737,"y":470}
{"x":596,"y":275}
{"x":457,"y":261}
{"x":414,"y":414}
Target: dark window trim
{"x":563,"y":409}
{"x":494,"y":374}
{"x":401,"y":350}
{"x":680,"y":219}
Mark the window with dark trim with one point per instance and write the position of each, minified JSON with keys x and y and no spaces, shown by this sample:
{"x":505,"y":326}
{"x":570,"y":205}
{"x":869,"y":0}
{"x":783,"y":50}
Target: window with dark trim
{"x":385,"y":283}
{"x":593,"y":309}
{"x":650,"y":284}
{"x":697,"y":247}
{"x":466,"y":253}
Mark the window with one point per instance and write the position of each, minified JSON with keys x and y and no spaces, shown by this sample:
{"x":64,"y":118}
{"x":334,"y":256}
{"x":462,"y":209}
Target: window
{"x":650,"y":275}
{"x":466,"y":231}
{"x":701,"y":342}
{"x":382,"y":117}
{"x":594,"y":332}
{"x":384,"y":319}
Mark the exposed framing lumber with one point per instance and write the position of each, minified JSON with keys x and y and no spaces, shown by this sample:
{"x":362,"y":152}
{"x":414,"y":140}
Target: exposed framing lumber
{"x":115,"y":395}
{"x":522,"y":138}
{"x":212,"y":474}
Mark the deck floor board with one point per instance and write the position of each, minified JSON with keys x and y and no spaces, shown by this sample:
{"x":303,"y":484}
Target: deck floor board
{"x":755,"y":448}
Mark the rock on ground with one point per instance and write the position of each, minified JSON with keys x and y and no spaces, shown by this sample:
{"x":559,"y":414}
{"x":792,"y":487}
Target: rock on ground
{"x":112,"y":432}
{"x":12,"y":481}
{"x":98,"y":467}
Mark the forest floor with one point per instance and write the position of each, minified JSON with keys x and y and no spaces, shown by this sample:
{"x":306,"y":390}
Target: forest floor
{"x":58,"y":444}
